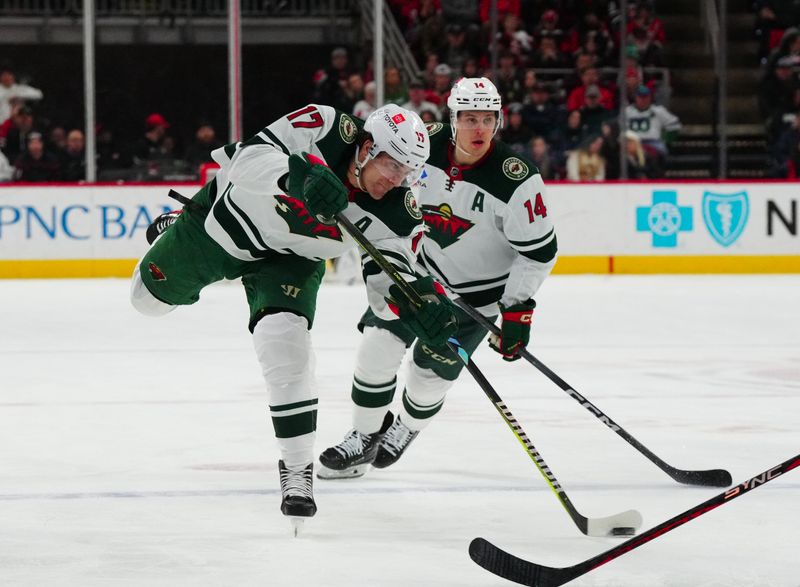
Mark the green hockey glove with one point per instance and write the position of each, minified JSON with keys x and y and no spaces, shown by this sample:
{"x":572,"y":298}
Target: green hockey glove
{"x":515,"y":330}
{"x":435,"y":321}
{"x":313,"y":182}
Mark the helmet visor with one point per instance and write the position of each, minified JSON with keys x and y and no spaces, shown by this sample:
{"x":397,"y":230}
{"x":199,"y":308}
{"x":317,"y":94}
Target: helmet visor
{"x":468,"y":120}
{"x":393,"y":170}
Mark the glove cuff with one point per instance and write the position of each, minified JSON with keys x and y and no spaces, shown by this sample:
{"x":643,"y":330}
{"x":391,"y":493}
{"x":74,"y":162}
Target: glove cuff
{"x":314,"y":160}
{"x":521,"y":313}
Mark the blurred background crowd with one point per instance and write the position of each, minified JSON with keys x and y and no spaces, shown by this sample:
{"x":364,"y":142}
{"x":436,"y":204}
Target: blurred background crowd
{"x":557,"y":70}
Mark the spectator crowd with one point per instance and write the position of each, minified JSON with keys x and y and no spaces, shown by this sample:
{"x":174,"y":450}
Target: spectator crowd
{"x":776,"y":28}
{"x":556,"y":71}
{"x":39,"y":150}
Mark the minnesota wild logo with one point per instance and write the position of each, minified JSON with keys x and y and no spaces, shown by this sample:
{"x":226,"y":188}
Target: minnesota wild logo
{"x":433,"y":128}
{"x":157,"y":274}
{"x":301,"y":222}
{"x":347,"y":129}
{"x":515,"y":168}
{"x":411,"y":205}
{"x":444,"y":227}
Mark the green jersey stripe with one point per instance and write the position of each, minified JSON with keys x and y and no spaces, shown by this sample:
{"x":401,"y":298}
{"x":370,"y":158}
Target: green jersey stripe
{"x":372,"y":399}
{"x":419,"y":411}
{"x":297,"y":425}
{"x":456,"y":286}
{"x":479,"y":299}
{"x":230,"y":149}
{"x":543,"y":254}
{"x":255,"y":140}
{"x":275,"y":140}
{"x":295,"y":405}
{"x":231,"y":226}
{"x":371,"y":268}
{"x":247,"y":221}
{"x":519,"y":244}
{"x":374,"y":386}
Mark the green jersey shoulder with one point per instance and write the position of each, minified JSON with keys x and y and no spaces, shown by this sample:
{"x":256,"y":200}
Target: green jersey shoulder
{"x":500,"y":175}
{"x":338,"y":145}
{"x":398,"y":209}
{"x":503,"y":172}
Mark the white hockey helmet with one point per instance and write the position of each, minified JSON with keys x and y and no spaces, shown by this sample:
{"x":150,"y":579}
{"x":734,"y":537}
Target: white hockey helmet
{"x":474,"y":93}
{"x":401,"y":134}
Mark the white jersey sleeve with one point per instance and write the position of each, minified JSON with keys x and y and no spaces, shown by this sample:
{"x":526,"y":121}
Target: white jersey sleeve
{"x":528,"y":227}
{"x":257,"y":164}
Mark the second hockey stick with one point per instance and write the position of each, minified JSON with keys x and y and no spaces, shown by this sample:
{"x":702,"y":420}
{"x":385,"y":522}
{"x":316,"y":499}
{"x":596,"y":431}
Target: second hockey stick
{"x":710,"y":478}
{"x":622,"y":524}
{"x":508,"y":566}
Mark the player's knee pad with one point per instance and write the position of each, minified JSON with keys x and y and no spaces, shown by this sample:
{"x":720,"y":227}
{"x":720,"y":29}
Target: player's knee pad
{"x":423,"y":396}
{"x":145,"y":302}
{"x":283,"y":345}
{"x":379,"y":355}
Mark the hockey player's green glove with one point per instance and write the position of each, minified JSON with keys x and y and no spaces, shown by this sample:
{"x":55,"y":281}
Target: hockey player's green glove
{"x":435,"y":321}
{"x":313,"y":182}
{"x":515,"y":331}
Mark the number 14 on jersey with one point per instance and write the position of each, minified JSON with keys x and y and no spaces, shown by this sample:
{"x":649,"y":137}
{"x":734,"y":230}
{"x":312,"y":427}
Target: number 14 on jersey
{"x":536,"y":209}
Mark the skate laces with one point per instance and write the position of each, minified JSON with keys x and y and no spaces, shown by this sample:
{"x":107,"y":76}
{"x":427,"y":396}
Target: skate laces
{"x":353,"y":444}
{"x":397,"y":437}
{"x":166,"y":220}
{"x":160,"y":224}
{"x":297,"y":482}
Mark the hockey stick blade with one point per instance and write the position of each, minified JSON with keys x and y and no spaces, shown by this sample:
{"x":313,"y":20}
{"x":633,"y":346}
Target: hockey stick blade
{"x":508,"y":566}
{"x":622,"y":524}
{"x":625,"y":523}
{"x":710,"y":478}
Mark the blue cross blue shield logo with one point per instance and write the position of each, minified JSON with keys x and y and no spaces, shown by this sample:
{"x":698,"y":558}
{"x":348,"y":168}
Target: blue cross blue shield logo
{"x":725,"y":215}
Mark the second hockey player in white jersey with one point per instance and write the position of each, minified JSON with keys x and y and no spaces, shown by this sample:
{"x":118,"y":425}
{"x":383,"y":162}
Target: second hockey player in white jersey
{"x":491,"y":240}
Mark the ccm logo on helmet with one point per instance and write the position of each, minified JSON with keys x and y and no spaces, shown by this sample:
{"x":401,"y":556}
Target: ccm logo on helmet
{"x":398,"y":118}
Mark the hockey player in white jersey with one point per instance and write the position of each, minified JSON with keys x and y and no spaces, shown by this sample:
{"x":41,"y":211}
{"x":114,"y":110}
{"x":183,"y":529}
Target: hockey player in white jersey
{"x":490,"y":240}
{"x":267,"y":218}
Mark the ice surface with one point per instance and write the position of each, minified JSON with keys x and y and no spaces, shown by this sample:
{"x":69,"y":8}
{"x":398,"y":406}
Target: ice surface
{"x":137,"y":451}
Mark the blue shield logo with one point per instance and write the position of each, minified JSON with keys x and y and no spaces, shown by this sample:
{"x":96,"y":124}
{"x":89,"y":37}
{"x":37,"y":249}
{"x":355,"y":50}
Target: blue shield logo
{"x":725,"y":215}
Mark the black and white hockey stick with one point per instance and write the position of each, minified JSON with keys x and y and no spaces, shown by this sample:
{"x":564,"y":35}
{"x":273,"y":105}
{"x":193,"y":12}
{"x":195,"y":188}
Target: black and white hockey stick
{"x":623,"y":524}
{"x":515,"y":569}
{"x":709,"y":478}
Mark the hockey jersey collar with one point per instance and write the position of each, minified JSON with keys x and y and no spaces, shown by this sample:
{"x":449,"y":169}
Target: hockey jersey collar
{"x":455,"y":171}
